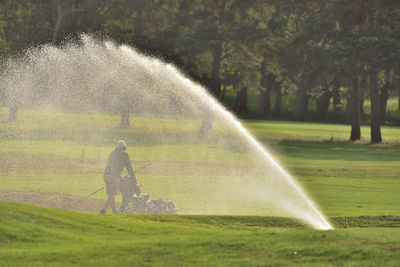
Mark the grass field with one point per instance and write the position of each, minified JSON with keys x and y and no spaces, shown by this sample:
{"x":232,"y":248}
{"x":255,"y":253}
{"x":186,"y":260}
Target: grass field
{"x":356,"y":185}
{"x":315,"y":132}
{"x":33,"y":236}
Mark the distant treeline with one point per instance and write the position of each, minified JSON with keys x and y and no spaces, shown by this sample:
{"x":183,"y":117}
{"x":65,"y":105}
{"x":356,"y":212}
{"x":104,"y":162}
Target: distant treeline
{"x":337,"y":53}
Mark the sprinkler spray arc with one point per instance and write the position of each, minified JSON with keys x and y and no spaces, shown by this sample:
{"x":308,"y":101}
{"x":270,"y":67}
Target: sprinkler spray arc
{"x":97,"y":74}
{"x":323,"y":224}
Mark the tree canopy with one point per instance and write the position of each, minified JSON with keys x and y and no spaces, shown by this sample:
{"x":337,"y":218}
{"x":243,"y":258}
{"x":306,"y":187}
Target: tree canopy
{"x":289,"y":53}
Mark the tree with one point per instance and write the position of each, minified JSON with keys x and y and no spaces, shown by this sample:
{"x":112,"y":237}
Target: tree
{"x":264,"y":99}
{"x":215,"y":81}
{"x":347,"y":51}
{"x":384,"y":94}
{"x":268,"y":20}
{"x":304,"y":60}
{"x":62,"y":12}
{"x":355,"y":110}
{"x":22,"y":12}
{"x":383,"y":53}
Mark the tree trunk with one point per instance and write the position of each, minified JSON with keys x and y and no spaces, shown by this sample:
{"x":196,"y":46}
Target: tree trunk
{"x":278,"y":100}
{"x":215,"y":80}
{"x":336,"y":99}
{"x":12,"y":116}
{"x":267,"y":107}
{"x":399,"y":100}
{"x":262,"y":97}
{"x":206,"y":126}
{"x":138,"y":30}
{"x":22,"y":32}
{"x":323,"y":103}
{"x":347,"y":110}
{"x":355,"y":110}
{"x":300,"y":104}
{"x":61,"y":14}
{"x":270,"y":85}
{"x":384,"y":96}
{"x":60,"y":18}
{"x":241,"y":102}
{"x":383,"y":104}
{"x":361,"y":103}
{"x":376,"y":136}
{"x":125,"y":118}
{"x":306,"y":104}
{"x":223,"y":92}
{"x":264,"y":100}
{"x":363,"y":85}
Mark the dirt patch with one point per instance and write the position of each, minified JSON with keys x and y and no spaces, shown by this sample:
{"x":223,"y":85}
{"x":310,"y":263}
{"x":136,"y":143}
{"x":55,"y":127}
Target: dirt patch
{"x":53,"y":200}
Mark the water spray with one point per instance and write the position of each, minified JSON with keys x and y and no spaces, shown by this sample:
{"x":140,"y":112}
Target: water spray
{"x":321,"y":223}
{"x":101,"y":76}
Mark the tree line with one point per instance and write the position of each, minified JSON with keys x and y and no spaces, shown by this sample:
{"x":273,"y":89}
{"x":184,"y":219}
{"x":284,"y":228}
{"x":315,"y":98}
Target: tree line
{"x":339,"y":52}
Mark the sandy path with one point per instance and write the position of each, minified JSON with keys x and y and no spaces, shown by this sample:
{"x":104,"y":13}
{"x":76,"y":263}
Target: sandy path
{"x":52,"y":200}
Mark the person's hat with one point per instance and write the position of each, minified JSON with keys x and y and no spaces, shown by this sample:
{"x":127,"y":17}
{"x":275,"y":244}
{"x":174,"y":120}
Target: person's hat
{"x":121,"y":145}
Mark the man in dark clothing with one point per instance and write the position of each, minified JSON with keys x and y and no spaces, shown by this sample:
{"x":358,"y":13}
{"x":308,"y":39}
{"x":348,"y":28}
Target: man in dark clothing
{"x":117,"y":161}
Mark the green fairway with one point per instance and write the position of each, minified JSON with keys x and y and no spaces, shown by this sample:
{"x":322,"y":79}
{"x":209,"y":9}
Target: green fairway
{"x":308,"y":131}
{"x":347,"y":179}
{"x":66,"y":153}
{"x":356,"y":185}
{"x":42,"y":237}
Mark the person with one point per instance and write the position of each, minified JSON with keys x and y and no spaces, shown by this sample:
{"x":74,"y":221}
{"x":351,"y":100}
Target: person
{"x":117,"y":162}
{"x":128,"y":187}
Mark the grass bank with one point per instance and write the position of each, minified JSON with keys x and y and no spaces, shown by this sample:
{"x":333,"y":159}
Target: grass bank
{"x":43,"y":237}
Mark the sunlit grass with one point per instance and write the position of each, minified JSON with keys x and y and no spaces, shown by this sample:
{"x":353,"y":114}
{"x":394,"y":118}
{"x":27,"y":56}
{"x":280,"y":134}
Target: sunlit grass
{"x":43,"y":237}
{"x":307,"y":131}
{"x":43,"y":151}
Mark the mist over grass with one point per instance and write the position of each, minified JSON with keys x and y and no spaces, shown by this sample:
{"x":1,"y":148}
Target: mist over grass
{"x":42,"y":151}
